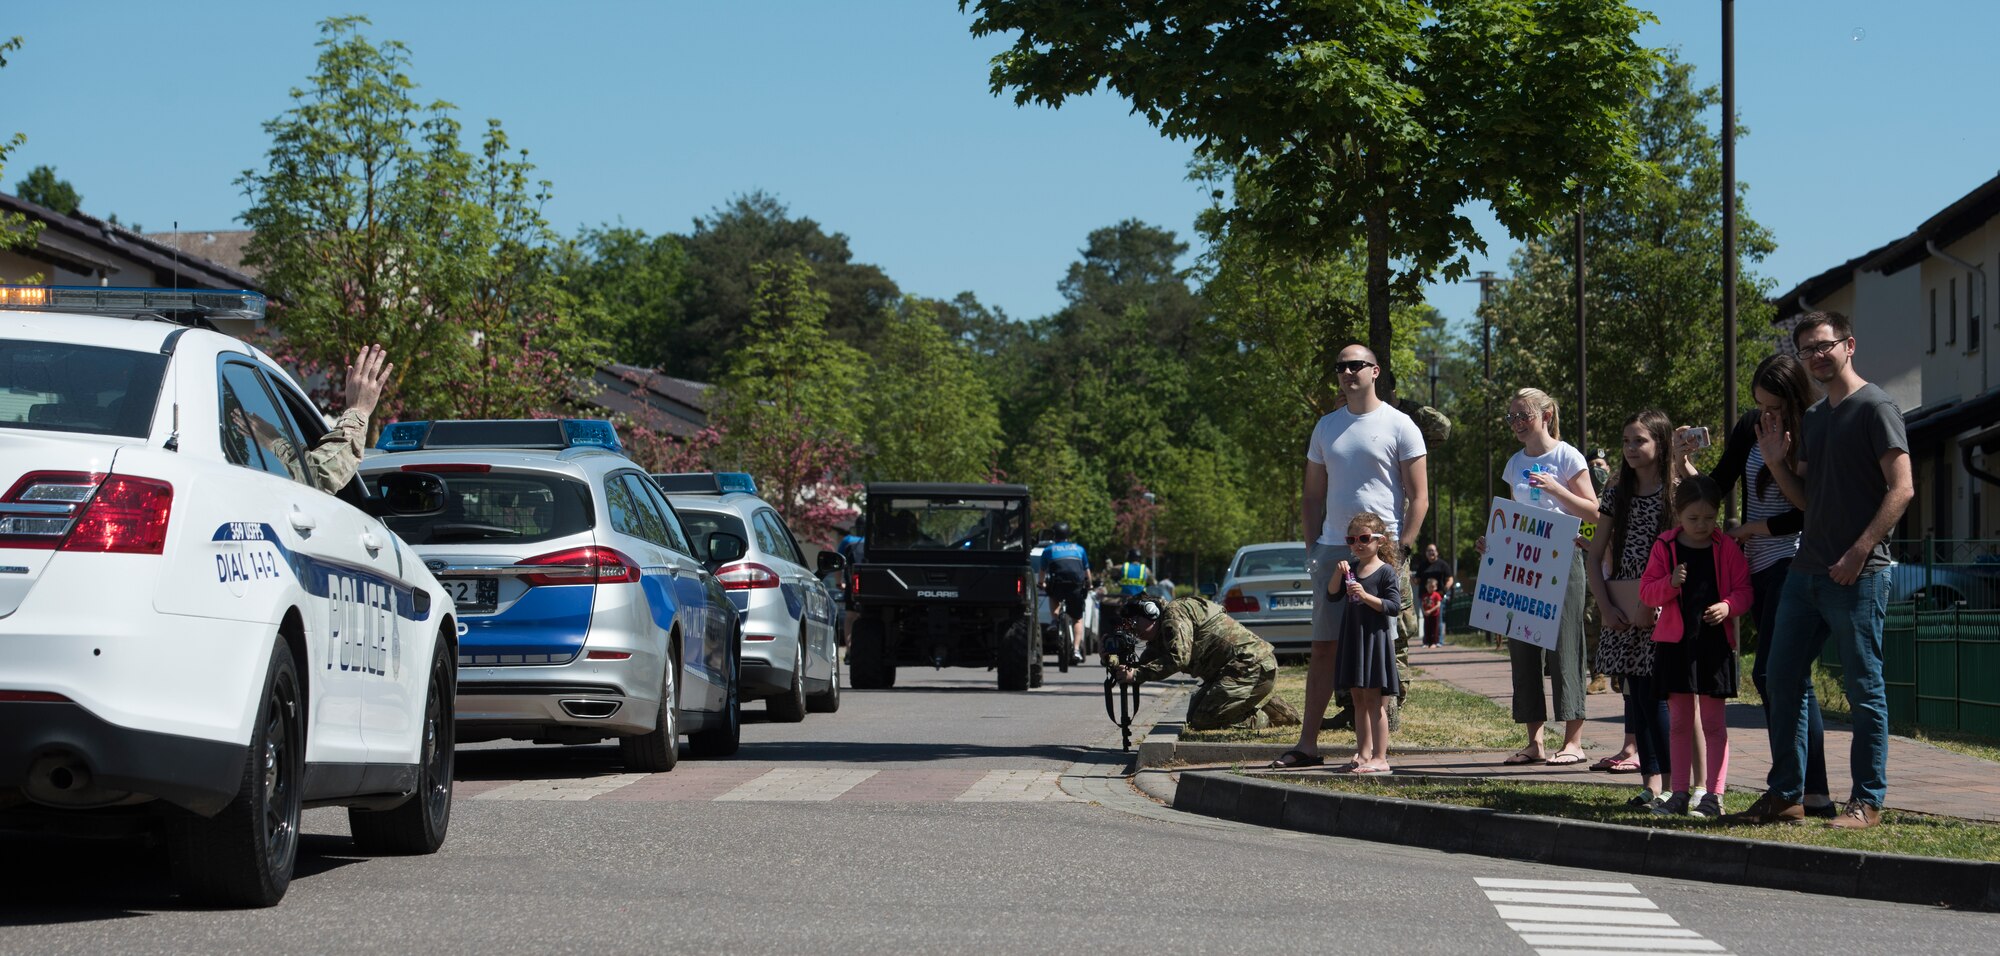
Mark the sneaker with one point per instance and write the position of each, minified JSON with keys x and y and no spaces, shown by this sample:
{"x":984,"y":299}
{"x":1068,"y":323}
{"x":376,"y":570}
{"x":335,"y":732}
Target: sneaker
{"x":1644,"y":800}
{"x":1709,"y":808}
{"x":1857,"y":816}
{"x":1770,"y":808}
{"x":1674,"y":806}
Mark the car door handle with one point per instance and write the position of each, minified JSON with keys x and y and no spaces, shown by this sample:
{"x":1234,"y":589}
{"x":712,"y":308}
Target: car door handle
{"x":369,"y":541}
{"x":303,"y":523}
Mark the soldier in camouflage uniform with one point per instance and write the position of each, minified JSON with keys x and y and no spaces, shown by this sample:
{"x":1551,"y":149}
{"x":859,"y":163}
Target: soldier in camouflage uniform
{"x":1237,"y":669}
{"x":331,"y":461}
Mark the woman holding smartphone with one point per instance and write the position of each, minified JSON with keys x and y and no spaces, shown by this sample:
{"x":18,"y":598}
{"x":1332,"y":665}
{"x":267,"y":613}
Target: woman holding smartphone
{"x":1550,"y":473}
{"x":1769,"y":533}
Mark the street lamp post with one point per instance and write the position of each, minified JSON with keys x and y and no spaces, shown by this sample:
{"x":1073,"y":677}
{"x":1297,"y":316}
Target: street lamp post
{"x":1728,"y":225}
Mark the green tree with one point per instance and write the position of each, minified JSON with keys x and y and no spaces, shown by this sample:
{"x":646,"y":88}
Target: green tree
{"x":638,"y":287}
{"x":931,"y":417}
{"x":723,"y":252}
{"x":789,"y":406}
{"x":15,"y":228}
{"x":374,"y":224}
{"x":1380,"y":122}
{"x":1204,"y":500}
{"x":42,"y":188}
{"x":1066,"y":485}
{"x":1653,"y":283}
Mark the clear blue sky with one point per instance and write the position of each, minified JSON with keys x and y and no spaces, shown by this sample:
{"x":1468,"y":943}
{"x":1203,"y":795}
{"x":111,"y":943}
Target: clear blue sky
{"x":873,"y":117}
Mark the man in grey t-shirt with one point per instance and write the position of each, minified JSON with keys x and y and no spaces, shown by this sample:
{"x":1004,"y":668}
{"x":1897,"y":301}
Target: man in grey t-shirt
{"x":1855,"y":483}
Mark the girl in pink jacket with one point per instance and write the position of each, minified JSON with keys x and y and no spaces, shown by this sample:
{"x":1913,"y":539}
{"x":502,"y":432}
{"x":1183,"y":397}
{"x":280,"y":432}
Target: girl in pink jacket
{"x":1700,"y":581}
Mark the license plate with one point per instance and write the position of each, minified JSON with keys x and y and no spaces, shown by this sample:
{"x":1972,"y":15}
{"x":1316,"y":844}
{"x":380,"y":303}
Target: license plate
{"x":1290,"y":602}
{"x":474,"y":595}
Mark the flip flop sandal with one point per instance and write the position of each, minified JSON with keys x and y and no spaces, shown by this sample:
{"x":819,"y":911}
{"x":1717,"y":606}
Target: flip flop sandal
{"x":1606,"y":764}
{"x":1372,"y":770}
{"x":1628,"y":765}
{"x":1297,"y":759}
{"x":1521,"y":758}
{"x":1565,"y":759}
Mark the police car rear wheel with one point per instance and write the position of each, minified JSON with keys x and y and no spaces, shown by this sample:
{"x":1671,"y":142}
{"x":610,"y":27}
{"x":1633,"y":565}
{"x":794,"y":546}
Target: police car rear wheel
{"x":827,"y":701}
{"x":726,"y":739}
{"x":658,"y":751}
{"x":418,"y":825}
{"x":790,"y":706}
{"x":244,"y":855}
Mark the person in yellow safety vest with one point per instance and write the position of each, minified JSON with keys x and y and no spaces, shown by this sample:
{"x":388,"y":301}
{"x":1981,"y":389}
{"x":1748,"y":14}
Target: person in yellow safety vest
{"x":1134,"y":576}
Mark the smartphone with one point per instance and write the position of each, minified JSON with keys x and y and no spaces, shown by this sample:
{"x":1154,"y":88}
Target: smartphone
{"x":1698,"y":437}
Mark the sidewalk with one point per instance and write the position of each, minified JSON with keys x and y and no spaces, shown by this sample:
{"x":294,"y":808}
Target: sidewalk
{"x":1922,"y":778}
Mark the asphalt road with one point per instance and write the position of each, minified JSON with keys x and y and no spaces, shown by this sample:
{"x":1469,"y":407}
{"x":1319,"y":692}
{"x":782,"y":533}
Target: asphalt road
{"x":919,"y":819}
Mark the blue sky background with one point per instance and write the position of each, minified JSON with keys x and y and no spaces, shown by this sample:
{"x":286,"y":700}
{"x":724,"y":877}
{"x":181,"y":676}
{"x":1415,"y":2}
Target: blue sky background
{"x":873,"y":117}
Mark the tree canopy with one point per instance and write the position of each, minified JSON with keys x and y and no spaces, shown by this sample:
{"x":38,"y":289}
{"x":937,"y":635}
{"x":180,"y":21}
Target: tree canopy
{"x":43,"y":188}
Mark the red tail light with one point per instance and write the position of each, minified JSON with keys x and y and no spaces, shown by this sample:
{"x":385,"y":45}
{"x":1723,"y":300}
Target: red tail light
{"x":590,"y":565}
{"x":1237,"y":602}
{"x":746,"y":576}
{"x":81,"y":511}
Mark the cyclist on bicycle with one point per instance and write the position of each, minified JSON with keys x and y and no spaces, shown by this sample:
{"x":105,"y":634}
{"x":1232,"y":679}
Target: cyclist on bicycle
{"x":1065,"y":577}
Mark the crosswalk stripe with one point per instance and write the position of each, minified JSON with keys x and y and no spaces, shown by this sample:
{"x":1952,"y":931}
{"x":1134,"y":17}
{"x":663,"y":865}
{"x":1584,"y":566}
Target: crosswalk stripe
{"x":1609,"y":952}
{"x":579,"y":789}
{"x":1495,"y":883}
{"x":1584,"y":929}
{"x":1654,"y":944}
{"x":1573,"y":914}
{"x":1572,"y":899}
{"x":798,"y":784}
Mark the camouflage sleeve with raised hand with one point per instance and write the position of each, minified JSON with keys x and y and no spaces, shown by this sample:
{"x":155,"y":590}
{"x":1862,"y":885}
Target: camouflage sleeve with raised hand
{"x":332,"y":461}
{"x":1173,"y":650}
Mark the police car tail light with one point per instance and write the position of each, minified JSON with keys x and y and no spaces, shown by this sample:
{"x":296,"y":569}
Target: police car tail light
{"x":1236,"y":601}
{"x":39,"y":510}
{"x":591,"y":565}
{"x":745,"y":576}
{"x":128,"y":515}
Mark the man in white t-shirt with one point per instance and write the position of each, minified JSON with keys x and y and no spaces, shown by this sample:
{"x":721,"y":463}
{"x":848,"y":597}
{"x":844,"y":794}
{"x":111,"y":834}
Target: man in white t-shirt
{"x":1364,"y":456}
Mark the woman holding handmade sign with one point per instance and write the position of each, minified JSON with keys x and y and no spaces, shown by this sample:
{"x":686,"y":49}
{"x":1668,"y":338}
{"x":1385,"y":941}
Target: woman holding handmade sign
{"x":1551,"y":474}
{"x":1634,"y":513}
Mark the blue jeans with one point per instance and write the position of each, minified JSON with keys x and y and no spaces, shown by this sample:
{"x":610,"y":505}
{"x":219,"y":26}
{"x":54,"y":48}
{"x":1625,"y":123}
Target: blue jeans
{"x":1767,"y":585}
{"x":1811,"y":610}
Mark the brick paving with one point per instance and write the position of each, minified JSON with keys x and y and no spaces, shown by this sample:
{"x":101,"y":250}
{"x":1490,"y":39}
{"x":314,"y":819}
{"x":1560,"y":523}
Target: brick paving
{"x":705,"y":781}
{"x":1922,"y":778}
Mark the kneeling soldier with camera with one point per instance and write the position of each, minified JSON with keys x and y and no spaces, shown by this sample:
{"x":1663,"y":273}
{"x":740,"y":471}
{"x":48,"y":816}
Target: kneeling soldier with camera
{"x":1237,"y":669}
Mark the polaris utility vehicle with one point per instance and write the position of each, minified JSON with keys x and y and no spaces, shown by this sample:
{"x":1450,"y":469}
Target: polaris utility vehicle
{"x":945,"y":581}
{"x":193,"y":637}
{"x":587,"y":615}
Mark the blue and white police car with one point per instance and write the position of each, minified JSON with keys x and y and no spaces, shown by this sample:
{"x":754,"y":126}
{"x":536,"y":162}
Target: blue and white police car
{"x":192,"y":635}
{"x":585,"y":613}
{"x":791,"y":639}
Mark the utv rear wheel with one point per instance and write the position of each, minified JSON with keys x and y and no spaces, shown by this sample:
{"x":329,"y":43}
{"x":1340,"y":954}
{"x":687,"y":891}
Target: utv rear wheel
{"x":868,"y":657}
{"x":1017,"y":655}
{"x":244,"y":855}
{"x":418,"y":825}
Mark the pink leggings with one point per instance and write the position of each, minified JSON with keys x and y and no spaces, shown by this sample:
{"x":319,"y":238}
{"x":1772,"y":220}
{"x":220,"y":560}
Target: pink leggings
{"x":1680,"y":746}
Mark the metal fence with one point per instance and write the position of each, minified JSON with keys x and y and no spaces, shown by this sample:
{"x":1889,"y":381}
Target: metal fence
{"x":1941,"y":668}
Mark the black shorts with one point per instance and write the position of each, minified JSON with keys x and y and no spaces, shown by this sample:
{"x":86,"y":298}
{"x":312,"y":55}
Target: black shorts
{"x":1068,"y":597}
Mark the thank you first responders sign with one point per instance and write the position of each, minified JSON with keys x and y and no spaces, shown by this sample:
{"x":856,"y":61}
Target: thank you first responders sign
{"x":1523,"y":575}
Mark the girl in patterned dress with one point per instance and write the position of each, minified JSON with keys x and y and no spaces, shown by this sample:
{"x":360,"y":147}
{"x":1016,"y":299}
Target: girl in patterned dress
{"x":1633,"y":512}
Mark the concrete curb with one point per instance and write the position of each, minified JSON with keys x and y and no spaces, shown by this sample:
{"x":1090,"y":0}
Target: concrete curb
{"x":1959,"y":884}
{"x":1163,"y":745}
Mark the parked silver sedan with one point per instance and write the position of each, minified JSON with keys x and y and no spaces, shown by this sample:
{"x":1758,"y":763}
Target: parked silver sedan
{"x":1268,"y":591}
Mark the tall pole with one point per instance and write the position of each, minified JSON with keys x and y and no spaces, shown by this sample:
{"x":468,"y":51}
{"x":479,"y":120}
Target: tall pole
{"x":1728,"y":225}
{"x":1582,"y":390}
{"x":1486,"y":281}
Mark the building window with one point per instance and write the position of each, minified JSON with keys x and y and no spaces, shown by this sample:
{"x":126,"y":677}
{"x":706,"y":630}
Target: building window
{"x":1951,"y":326}
{"x":1933,"y":349}
{"x":1975,"y":309}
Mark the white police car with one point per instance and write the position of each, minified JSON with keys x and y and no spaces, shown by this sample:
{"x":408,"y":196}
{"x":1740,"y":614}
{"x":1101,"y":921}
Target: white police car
{"x":791,"y":638}
{"x":587,"y":614}
{"x":190,"y":634}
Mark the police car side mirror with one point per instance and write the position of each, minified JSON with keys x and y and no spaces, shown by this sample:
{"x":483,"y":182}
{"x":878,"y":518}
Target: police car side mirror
{"x":724,"y":547}
{"x":407,"y":494}
{"x":831,"y":561}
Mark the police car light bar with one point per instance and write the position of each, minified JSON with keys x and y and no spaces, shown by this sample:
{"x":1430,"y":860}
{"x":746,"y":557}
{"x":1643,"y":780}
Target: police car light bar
{"x":706,"y":483}
{"x":105,"y":300}
{"x":548,"y":434}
